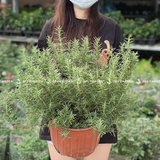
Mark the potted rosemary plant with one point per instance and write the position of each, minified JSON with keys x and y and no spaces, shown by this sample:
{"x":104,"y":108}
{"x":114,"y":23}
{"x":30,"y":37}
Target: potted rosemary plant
{"x":69,"y":87}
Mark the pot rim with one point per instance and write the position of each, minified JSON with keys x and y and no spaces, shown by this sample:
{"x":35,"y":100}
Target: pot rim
{"x":70,"y":129}
{"x":73,"y":129}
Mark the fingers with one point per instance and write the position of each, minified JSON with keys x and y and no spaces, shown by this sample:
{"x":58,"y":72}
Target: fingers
{"x":108,"y":44}
{"x":103,"y":59}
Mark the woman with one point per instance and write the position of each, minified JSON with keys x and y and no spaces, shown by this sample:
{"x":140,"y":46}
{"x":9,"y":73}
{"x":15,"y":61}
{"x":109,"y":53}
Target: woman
{"x":78,"y":18}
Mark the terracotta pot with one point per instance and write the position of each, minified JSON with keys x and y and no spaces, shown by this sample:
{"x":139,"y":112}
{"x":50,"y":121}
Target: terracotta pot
{"x":79,"y":142}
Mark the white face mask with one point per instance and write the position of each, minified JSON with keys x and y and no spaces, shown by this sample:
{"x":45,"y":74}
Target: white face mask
{"x":83,"y":4}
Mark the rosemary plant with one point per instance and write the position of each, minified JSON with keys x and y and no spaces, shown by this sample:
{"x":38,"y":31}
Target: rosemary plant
{"x":66,"y":85}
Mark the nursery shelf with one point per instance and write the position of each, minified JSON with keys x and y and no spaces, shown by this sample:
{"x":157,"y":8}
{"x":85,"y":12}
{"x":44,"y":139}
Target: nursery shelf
{"x":155,"y":47}
{"x":21,"y":39}
{"x":18,"y":39}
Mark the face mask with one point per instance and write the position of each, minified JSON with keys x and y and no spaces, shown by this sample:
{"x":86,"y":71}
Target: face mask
{"x":83,"y":4}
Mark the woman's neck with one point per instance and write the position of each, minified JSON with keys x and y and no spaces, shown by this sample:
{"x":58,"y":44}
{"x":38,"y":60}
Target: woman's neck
{"x":80,"y":13}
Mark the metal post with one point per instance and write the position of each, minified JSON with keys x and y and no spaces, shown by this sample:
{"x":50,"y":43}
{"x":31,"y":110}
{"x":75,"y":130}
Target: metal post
{"x":15,"y":6}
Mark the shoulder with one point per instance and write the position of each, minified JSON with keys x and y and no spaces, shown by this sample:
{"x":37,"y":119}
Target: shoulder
{"x":46,"y":31}
{"x":49,"y":21}
{"x":47,"y":26}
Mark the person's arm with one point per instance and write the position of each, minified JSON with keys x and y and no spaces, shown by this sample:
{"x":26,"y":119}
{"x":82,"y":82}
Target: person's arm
{"x":42,"y":40}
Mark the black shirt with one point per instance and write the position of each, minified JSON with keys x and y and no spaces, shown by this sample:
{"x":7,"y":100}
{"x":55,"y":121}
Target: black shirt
{"x":109,"y":30}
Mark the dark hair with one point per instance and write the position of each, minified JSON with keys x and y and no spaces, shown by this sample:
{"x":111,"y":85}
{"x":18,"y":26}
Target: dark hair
{"x":65,"y":18}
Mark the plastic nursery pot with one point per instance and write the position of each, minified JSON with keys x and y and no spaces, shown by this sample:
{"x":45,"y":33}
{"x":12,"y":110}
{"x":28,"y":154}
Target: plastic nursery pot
{"x":78,"y":143}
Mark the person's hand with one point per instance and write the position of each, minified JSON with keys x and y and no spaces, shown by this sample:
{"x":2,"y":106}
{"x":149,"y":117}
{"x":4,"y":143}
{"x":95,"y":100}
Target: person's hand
{"x":103,"y":59}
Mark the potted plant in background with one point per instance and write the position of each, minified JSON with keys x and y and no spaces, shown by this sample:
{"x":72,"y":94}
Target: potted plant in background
{"x":67,"y":86}
{"x":153,"y":33}
{"x":26,"y":23}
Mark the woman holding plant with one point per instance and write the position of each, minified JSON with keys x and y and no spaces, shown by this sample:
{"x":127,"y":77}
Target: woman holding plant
{"x":79,"y":18}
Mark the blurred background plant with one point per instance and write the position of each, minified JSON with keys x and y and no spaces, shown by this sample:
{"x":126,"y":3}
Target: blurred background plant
{"x":26,"y":20}
{"x":139,"y":133}
{"x":138,"y":138}
{"x":142,"y":30}
{"x":24,"y":143}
